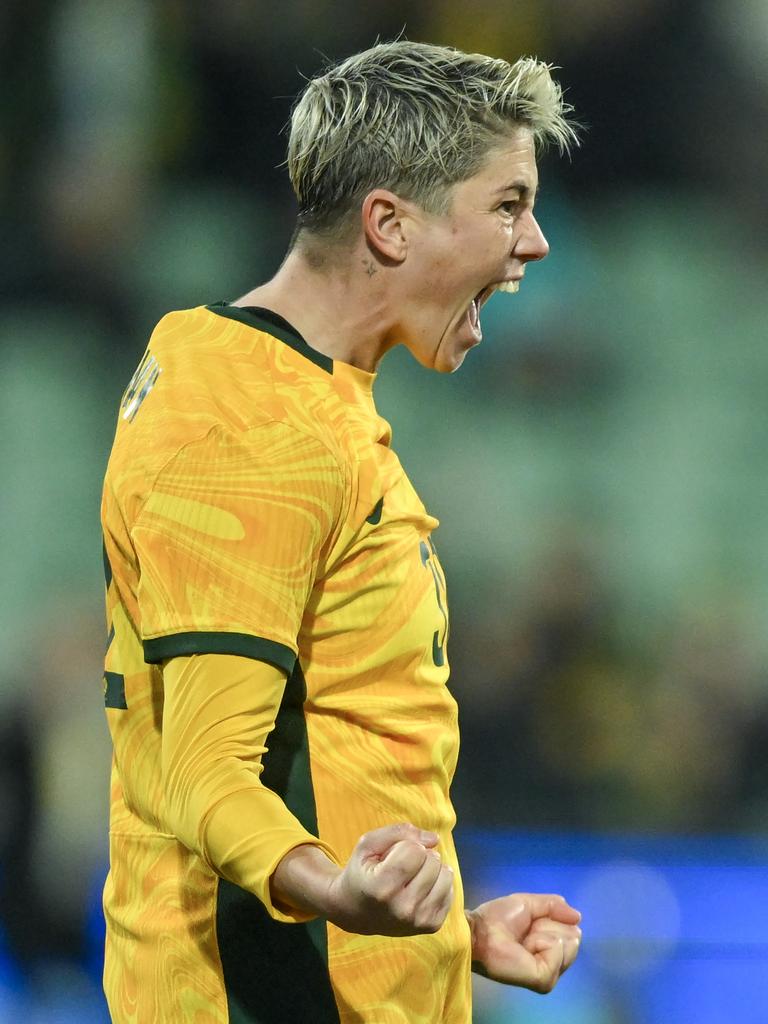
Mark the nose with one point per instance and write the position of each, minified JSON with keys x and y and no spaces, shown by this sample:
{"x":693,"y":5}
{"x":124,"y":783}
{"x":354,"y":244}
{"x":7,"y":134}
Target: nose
{"x":532,"y":245}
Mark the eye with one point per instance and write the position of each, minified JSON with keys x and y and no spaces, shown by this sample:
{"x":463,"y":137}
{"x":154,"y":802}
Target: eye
{"x":509,"y":206}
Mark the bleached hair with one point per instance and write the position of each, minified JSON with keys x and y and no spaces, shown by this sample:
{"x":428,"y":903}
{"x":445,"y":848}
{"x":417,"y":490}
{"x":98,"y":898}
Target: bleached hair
{"x":412,"y":118}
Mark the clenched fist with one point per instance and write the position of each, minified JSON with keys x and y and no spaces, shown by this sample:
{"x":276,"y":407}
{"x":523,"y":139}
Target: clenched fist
{"x":525,"y":939}
{"x":393,"y":884}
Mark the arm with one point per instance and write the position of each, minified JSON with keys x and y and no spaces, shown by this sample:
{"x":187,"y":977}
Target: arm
{"x":218,"y":712}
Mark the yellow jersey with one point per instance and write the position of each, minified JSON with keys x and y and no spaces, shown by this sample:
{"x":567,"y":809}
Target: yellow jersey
{"x":253,"y":506}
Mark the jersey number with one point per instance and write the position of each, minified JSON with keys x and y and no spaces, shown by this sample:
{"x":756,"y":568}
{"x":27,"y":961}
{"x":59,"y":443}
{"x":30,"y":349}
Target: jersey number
{"x":429,"y":559}
{"x":140,"y":385}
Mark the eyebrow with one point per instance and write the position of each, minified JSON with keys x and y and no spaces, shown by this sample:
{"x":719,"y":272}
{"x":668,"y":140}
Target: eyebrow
{"x":518,"y":186}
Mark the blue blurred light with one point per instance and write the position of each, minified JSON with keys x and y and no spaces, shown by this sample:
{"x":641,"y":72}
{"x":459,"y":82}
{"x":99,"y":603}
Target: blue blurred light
{"x":673,"y":927}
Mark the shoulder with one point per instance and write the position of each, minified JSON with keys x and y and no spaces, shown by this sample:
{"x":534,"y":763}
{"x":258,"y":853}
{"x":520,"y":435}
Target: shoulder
{"x":206,"y":369}
{"x":211,"y":386}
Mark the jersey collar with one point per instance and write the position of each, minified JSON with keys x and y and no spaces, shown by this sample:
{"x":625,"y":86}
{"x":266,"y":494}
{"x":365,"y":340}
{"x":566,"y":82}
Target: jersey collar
{"x":269,"y":322}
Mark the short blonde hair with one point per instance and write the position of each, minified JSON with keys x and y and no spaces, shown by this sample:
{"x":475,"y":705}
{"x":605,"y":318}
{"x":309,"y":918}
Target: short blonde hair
{"x":413,"y":118}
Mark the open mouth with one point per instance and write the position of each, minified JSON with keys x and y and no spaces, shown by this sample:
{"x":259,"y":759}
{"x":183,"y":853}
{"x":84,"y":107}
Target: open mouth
{"x":473,"y":312}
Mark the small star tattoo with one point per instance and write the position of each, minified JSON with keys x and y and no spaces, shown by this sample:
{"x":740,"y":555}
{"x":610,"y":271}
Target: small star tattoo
{"x":370,"y":269}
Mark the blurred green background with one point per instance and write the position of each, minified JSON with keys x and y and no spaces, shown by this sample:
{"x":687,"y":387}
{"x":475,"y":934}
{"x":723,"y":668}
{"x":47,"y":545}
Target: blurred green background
{"x":598,"y":465}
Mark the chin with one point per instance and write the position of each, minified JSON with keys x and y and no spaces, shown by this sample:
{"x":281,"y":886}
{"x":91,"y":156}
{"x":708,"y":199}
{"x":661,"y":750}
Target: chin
{"x":442,"y":363}
{"x":449,"y":362}
{"x":444,"y":359}
{"x":453,"y":366}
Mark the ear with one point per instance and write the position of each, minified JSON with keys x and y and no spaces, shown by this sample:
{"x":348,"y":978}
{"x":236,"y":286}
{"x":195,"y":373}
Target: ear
{"x":384,"y":221}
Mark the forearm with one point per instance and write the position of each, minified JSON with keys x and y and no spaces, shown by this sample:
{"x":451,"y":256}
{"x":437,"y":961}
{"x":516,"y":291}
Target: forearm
{"x":246,"y":836}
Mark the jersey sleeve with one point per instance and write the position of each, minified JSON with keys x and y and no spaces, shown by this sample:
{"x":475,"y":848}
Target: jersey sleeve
{"x":217,"y":716}
{"x":229,"y":542}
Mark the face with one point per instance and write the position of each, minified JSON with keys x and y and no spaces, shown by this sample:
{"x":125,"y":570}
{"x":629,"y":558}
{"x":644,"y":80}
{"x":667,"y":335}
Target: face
{"x":456,"y":260}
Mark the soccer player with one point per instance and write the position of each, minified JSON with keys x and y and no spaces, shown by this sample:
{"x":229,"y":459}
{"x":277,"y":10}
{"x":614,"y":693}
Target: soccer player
{"x":284,"y":739}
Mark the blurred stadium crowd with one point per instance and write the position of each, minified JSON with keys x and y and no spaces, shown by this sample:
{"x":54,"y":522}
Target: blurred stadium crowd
{"x":598,"y":466}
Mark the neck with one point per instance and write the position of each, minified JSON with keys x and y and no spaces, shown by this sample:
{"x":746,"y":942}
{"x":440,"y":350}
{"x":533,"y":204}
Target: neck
{"x":340,"y":312}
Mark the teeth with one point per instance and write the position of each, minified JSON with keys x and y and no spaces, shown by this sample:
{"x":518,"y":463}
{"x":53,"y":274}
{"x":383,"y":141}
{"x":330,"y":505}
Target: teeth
{"x":508,"y":286}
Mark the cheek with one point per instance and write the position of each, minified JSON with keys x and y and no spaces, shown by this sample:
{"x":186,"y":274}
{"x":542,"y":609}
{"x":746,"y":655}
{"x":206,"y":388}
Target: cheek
{"x":432,"y":266}
{"x":443,"y":279}
{"x":495,"y":242}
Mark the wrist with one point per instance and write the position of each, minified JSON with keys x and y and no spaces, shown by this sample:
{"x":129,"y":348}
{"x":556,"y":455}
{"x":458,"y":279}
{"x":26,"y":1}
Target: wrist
{"x":302,"y":881}
{"x":478,"y":967}
{"x":470,"y":916}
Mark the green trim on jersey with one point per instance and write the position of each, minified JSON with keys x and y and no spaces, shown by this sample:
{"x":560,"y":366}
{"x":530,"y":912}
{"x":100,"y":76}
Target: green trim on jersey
{"x":114,"y":691}
{"x":255,"y":949}
{"x":272,"y":323}
{"x":107,"y":566}
{"x":375,"y":517}
{"x":178,"y":644}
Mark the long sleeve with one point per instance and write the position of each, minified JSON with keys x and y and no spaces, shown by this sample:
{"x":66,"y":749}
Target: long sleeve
{"x":218,"y":712}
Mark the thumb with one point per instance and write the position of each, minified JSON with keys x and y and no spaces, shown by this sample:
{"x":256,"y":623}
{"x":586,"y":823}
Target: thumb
{"x":553,"y":907}
{"x":380,"y":840}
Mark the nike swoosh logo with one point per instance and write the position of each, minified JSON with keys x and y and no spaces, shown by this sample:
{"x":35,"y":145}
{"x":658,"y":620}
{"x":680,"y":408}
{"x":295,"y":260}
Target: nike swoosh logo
{"x":375,"y":516}
{"x":437,"y":651}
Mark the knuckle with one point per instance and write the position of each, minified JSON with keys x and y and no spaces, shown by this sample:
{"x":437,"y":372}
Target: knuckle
{"x":408,"y":856}
{"x":401,"y":916}
{"x":406,"y":911}
{"x":423,"y":916}
{"x":392,"y":871}
{"x":383,"y":892}
{"x":414,"y":847}
{"x":430,"y":918}
{"x":366,"y":839}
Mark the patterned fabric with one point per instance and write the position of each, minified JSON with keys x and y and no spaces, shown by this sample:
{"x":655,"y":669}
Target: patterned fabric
{"x":253,"y":506}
